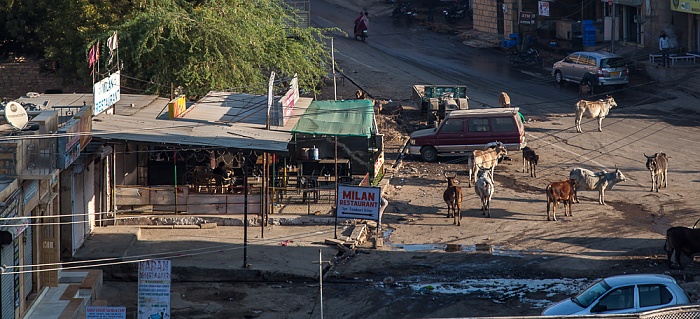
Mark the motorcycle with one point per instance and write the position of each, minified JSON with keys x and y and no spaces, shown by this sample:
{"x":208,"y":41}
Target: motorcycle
{"x":528,"y":57}
{"x":403,"y":11}
{"x":361,"y":35}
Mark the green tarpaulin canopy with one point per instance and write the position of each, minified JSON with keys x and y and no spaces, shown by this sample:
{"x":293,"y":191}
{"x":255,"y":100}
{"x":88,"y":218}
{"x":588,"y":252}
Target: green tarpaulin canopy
{"x":337,"y":118}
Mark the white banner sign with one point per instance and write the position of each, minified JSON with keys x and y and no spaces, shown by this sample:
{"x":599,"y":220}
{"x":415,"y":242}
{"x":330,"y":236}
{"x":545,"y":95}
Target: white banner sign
{"x":98,"y":312}
{"x":359,"y":202}
{"x":543,"y":8}
{"x":154,"y":289}
{"x":106,"y":93}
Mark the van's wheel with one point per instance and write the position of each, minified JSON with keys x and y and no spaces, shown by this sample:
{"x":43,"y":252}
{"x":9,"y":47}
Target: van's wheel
{"x":428,"y":154}
{"x":558,"y":78}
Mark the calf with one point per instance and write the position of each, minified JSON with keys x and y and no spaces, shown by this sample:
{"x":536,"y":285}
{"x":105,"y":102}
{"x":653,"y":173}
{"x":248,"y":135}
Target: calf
{"x":484,"y":188}
{"x":681,"y":240}
{"x":487,"y":158}
{"x":657,"y":165}
{"x":453,"y":199}
{"x":530,"y":160}
{"x":595,"y":181}
{"x":503,"y":100}
{"x":560,"y":191}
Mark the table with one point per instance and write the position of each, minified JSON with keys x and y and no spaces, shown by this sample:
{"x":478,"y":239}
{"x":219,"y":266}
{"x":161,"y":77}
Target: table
{"x":681,"y":57}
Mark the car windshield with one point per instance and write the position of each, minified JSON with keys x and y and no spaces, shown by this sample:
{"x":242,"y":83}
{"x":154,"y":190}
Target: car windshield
{"x":612,"y":63}
{"x":588,"y":296}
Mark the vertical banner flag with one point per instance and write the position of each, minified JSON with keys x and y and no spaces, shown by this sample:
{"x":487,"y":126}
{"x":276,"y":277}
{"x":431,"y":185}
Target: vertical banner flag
{"x":154,"y":289}
{"x":112,"y":44}
{"x":91,"y":58}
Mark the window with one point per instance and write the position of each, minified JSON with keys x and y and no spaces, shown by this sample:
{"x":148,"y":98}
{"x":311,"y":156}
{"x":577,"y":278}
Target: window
{"x":618,"y":299}
{"x":479,"y":125}
{"x":653,"y":295}
{"x":503,"y":124}
{"x":573,"y":58}
{"x":452,"y":126}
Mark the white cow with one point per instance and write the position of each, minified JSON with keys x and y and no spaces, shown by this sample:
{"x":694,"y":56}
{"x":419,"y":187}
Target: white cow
{"x":593,"y":109}
{"x":595,"y":181}
{"x":484,"y":189}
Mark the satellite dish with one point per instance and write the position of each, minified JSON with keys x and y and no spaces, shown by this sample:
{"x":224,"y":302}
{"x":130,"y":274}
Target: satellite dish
{"x":16,"y":115}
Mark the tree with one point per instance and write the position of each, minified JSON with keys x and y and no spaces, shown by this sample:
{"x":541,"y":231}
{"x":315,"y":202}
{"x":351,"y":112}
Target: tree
{"x":219,"y":45}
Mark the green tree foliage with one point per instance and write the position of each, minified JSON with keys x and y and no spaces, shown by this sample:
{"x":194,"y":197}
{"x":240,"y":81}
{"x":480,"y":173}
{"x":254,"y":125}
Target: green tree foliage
{"x":200,"y":45}
{"x":219,"y":45}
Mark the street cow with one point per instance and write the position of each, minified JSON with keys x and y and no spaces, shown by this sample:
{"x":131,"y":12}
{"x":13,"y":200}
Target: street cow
{"x":487,"y":158}
{"x":530,"y":160}
{"x":560,"y":191}
{"x":593,"y":109}
{"x":453,"y":199}
{"x":595,"y":181}
{"x":657,"y":165}
{"x":681,"y":240}
{"x":503,"y":100}
{"x":484,"y":188}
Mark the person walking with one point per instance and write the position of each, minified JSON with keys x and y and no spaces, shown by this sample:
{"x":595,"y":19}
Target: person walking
{"x":663,"y":47}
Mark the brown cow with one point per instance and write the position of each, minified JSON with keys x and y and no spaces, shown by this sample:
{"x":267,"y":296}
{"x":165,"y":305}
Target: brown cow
{"x":560,"y":191}
{"x":453,"y":199}
{"x":681,"y":240}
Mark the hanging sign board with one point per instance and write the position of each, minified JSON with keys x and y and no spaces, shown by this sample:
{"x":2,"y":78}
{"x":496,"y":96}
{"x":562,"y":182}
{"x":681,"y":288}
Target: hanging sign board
{"x":359,"y":202}
{"x":527,"y":18}
{"x":543,"y":8}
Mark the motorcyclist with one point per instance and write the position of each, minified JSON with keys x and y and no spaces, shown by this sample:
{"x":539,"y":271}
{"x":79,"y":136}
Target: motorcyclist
{"x":357,"y":20}
{"x":361,"y":23}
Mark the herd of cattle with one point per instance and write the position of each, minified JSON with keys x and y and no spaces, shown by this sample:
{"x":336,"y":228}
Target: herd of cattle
{"x":482,"y":163}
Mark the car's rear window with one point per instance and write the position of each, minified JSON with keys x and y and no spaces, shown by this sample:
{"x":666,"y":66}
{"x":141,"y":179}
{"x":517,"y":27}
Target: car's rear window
{"x":612,"y":63}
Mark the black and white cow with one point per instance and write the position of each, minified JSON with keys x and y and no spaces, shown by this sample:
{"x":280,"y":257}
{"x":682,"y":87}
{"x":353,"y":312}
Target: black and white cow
{"x":599,"y":181}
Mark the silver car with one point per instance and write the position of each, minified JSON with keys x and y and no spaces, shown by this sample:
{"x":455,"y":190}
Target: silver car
{"x":604,"y":68}
{"x":622,"y":294}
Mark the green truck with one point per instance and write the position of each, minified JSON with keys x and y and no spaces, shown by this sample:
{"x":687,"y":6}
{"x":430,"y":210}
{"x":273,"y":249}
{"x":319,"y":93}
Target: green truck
{"x":435,"y":101}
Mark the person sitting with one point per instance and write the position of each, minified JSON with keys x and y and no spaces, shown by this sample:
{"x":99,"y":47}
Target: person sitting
{"x":219,"y":170}
{"x":587,"y":83}
{"x":357,"y":20}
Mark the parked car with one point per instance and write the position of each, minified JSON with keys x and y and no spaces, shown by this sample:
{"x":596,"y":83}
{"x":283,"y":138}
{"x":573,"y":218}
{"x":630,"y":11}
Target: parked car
{"x":622,"y":294}
{"x":608,"y":68}
{"x":463,"y":131}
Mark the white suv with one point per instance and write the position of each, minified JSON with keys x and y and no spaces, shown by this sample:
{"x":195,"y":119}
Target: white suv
{"x":606,"y":68}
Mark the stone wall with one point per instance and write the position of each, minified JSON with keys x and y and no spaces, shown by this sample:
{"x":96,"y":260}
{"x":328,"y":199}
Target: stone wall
{"x":486,"y":16}
{"x":18,"y":78}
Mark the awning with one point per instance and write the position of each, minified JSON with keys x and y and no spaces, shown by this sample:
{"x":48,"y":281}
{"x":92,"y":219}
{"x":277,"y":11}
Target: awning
{"x":14,"y":226}
{"x":337,"y":118}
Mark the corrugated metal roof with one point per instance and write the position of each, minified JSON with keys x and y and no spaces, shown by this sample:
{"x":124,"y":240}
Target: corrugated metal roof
{"x":220,"y":120}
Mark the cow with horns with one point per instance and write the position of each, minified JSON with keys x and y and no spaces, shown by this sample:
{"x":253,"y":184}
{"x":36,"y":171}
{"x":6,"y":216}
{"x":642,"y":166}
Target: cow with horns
{"x":487,"y":158}
{"x":657,"y":165}
{"x":593,"y":109}
{"x":599,"y":181}
{"x":484,"y":188}
{"x":453,"y":199}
